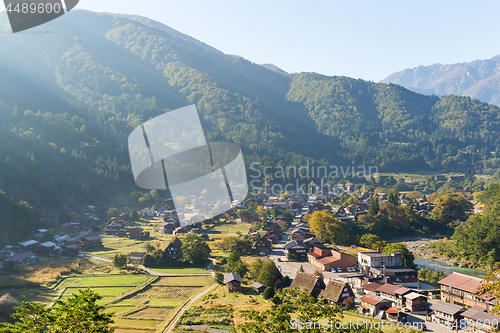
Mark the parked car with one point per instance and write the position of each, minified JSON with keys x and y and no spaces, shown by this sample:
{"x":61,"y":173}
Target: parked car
{"x":279,"y":259}
{"x":404,"y":309}
{"x":339,"y":270}
{"x":353,"y":246}
{"x":349,"y":269}
{"x":424,"y":327}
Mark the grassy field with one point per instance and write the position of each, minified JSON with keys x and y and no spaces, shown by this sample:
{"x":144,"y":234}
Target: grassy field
{"x":181,"y":270}
{"x":140,"y":303}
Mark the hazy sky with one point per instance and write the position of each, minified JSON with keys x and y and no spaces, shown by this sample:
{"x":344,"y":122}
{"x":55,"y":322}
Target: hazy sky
{"x":360,"y":39}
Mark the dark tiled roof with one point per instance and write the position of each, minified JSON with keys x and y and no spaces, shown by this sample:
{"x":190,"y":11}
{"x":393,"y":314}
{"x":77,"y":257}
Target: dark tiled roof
{"x":257,"y":285}
{"x":391,"y":289}
{"x":447,"y":308}
{"x":477,"y":313}
{"x":232,"y":277}
{"x":93,"y":237}
{"x":294,"y":243}
{"x":372,"y":299}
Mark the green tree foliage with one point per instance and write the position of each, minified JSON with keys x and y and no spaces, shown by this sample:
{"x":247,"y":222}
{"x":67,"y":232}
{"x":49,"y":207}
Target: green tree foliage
{"x":236,"y":243}
{"x":219,"y":277}
{"x":120,"y":260}
{"x":74,"y":149}
{"x":16,"y":219}
{"x":407,"y":257}
{"x":113,"y":212}
{"x":268,"y":293}
{"x":294,"y":307}
{"x":373,"y":209}
{"x":255,"y":268}
{"x":478,"y":239}
{"x":134,"y":216}
{"x":79,"y":313}
{"x":432,"y":277}
{"x":373,"y":242}
{"x":327,"y":228}
{"x":194,"y":249}
{"x":450,"y":207}
{"x":268,"y":273}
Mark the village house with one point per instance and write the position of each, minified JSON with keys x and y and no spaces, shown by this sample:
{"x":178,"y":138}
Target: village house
{"x":311,"y":242}
{"x":396,"y":274}
{"x":258,"y":288}
{"x":327,"y":259}
{"x":263,"y":244}
{"x":338,"y":293}
{"x":88,"y":242}
{"x":71,"y":250}
{"x":135,"y":258}
{"x":479,"y":320}
{"x":416,"y":303}
{"x":233,"y":282}
{"x":311,"y":284}
{"x":135,"y":233}
{"x":122,"y":233}
{"x":374,"y":304}
{"x":378,"y":259}
{"x":173,"y":249}
{"x":297,"y":248}
{"x":393,"y":293}
{"x":29,"y":245}
{"x":166,"y":228}
{"x":21,"y":259}
{"x":460,"y":289}
{"x":7,"y":304}
{"x":447,"y":314}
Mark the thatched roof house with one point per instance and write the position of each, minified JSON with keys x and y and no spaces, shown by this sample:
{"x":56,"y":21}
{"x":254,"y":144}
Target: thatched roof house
{"x":309,"y":283}
{"x":7,"y":304}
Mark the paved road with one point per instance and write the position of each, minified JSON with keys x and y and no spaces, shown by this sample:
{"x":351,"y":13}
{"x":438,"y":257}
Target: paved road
{"x":179,"y":314}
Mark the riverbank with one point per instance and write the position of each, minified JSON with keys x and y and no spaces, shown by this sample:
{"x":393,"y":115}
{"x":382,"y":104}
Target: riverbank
{"x":425,"y":258}
{"x":421,"y":250}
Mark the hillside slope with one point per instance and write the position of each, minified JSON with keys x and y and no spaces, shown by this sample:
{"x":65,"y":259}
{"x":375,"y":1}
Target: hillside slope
{"x":477,"y":79}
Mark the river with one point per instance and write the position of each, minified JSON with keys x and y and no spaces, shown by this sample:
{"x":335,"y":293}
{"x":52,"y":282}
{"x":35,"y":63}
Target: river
{"x":424,"y":263}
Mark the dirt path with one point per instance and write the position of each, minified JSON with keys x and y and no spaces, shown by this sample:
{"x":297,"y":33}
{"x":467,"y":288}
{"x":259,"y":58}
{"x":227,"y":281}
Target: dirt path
{"x":179,"y":314}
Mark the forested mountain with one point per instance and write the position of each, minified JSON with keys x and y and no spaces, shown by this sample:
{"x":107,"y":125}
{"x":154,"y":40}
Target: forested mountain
{"x":478,"y":79}
{"x":72,"y":90}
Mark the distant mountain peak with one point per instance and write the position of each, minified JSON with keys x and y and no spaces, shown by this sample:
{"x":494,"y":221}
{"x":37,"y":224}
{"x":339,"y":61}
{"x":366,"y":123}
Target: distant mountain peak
{"x":274,"y":68}
{"x":477,"y":79}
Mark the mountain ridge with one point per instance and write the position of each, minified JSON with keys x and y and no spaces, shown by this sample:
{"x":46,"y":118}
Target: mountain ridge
{"x":477,"y":79}
{"x":109,"y":73}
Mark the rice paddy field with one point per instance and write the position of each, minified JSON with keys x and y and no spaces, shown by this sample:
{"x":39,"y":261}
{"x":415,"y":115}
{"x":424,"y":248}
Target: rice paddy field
{"x":140,"y":303}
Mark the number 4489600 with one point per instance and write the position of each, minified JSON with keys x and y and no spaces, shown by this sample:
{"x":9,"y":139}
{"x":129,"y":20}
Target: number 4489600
{"x":33,"y":8}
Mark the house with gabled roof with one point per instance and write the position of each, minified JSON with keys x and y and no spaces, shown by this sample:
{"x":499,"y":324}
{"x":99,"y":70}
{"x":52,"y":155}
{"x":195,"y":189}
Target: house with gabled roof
{"x":297,"y":248}
{"x":460,"y":289}
{"x":447,"y":314}
{"x":173,"y":249}
{"x":233,"y":282}
{"x":263,"y":244}
{"x":311,"y":284}
{"x":336,"y":292}
{"x":373,"y":304}
{"x":88,"y":242}
{"x":258,"y":288}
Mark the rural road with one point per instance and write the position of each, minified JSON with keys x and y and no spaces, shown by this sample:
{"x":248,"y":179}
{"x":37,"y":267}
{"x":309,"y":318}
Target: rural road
{"x":179,"y":314}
